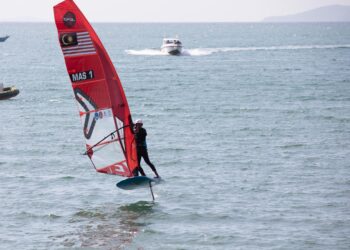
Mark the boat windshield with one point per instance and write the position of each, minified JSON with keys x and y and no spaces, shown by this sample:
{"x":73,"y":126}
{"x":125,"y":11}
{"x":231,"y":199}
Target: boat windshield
{"x":172,"y":42}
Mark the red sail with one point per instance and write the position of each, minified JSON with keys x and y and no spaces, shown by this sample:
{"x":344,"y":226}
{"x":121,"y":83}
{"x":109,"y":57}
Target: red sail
{"x":102,"y":104}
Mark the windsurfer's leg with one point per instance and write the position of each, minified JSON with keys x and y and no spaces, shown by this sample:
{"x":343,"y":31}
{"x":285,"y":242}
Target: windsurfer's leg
{"x":149,"y":163}
{"x":139,"y":169}
{"x":136,"y":171}
{"x":139,"y":155}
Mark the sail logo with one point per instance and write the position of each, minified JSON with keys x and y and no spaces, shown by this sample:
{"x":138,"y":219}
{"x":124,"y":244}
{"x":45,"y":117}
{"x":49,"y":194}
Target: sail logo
{"x":102,"y":114}
{"x":81,"y":76}
{"x":69,"y":19}
{"x":88,"y":105}
{"x":120,"y":168}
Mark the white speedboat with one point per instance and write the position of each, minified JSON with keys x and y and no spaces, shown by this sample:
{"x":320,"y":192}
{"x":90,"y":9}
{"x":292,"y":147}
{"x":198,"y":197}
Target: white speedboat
{"x":173,"y":46}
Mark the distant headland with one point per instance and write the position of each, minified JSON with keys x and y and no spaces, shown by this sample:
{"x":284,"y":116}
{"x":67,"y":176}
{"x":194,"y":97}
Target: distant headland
{"x":332,"y":13}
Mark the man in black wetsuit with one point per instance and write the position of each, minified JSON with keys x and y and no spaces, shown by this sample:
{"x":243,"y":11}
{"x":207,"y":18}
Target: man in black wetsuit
{"x":140,"y":136}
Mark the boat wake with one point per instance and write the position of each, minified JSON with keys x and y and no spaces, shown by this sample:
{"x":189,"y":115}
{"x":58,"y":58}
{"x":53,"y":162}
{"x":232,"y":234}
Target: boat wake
{"x":209,"y":51}
{"x":146,"y":52}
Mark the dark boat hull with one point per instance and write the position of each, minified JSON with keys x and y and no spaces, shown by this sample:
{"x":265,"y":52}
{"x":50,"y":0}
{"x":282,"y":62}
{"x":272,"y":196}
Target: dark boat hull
{"x":8,"y":93}
{"x":175,"y":52}
{"x":3,"y":39}
{"x":172,"y":49}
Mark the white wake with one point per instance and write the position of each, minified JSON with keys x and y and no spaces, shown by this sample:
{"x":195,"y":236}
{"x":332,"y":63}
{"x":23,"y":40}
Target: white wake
{"x":209,"y":51}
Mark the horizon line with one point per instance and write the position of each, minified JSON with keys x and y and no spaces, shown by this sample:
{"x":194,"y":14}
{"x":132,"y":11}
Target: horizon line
{"x":38,"y":21}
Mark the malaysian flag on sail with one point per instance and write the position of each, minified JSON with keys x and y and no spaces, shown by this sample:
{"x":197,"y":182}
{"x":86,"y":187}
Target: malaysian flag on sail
{"x":76,"y":44}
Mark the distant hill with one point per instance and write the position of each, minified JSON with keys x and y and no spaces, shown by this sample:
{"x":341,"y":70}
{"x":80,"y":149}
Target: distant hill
{"x":332,"y":13}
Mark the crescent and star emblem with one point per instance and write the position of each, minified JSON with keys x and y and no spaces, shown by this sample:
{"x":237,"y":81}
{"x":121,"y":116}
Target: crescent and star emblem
{"x":69,"y":39}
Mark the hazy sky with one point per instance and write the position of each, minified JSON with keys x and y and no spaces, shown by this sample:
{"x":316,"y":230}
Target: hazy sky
{"x":163,"y":10}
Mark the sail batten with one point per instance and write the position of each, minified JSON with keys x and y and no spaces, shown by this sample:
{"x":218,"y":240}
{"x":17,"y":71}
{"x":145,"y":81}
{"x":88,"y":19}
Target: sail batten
{"x":101,"y":101}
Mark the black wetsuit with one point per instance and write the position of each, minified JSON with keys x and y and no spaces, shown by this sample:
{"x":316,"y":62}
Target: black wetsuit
{"x":142,"y":152}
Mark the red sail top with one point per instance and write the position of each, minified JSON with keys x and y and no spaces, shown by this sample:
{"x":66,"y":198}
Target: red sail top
{"x":102,"y":104}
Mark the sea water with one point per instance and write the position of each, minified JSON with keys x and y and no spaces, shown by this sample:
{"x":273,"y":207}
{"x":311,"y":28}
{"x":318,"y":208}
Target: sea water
{"x":249,"y":128}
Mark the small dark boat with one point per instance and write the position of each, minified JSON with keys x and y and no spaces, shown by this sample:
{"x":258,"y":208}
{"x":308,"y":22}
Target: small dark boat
{"x":4,"y":38}
{"x":8,"y":92}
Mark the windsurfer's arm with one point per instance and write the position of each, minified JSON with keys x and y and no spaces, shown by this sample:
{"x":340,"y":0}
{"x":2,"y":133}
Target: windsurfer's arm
{"x":131,"y":124}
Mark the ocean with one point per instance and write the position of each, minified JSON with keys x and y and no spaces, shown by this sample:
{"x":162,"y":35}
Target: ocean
{"x":249,"y":128}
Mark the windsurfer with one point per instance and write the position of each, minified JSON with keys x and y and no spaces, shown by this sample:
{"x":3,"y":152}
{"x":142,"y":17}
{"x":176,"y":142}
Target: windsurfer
{"x":140,"y":136}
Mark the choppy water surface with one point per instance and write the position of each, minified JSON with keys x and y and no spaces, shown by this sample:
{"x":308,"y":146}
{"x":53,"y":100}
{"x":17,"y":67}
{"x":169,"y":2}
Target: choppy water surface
{"x":250,"y":128}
